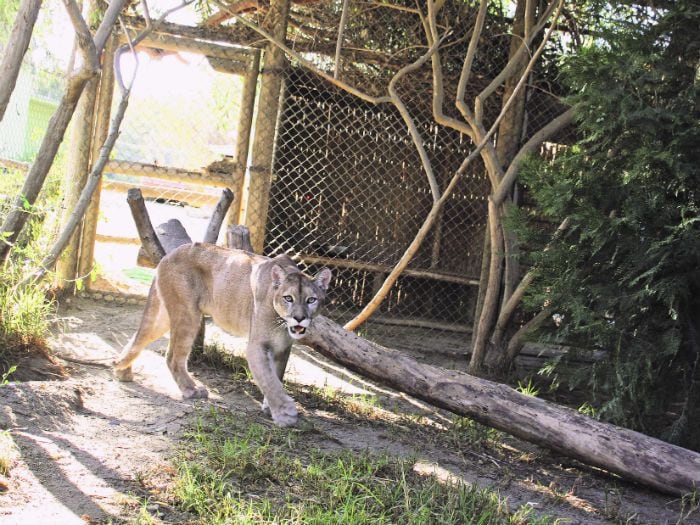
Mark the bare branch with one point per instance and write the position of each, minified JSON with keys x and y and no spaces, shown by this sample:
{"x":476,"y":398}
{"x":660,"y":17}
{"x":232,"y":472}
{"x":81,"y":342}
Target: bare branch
{"x":471,"y":50}
{"x":95,"y":174}
{"x":85,"y":196}
{"x":413,"y":130}
{"x":516,"y":297}
{"x":107,"y":24}
{"x":431,"y":32}
{"x":525,"y":73}
{"x":534,"y":142}
{"x":518,"y":340}
{"x":512,"y":65}
{"x":83,"y":36}
{"x":339,"y":43}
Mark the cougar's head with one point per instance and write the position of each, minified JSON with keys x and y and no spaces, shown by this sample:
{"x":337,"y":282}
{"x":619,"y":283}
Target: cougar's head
{"x":297,"y":297}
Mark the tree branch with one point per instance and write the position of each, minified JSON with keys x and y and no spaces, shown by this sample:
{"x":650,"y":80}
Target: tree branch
{"x":339,"y":42}
{"x":413,"y":130}
{"x":431,"y":32}
{"x":512,"y":65}
{"x":338,"y":83}
{"x":533,"y":143}
{"x":85,"y":196}
{"x":516,"y":297}
{"x":97,"y":169}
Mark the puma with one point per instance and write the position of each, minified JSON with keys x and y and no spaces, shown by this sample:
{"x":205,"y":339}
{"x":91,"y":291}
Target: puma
{"x":268,"y":300}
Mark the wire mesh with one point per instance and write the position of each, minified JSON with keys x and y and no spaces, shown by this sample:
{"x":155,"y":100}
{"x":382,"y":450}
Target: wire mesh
{"x":349,"y":192}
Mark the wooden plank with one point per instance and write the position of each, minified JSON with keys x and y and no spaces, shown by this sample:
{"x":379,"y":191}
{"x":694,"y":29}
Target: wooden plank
{"x":370,"y":267}
{"x":171,"y":174}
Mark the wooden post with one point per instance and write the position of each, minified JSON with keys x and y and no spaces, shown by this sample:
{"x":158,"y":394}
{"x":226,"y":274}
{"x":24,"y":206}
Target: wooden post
{"x":244,"y":130}
{"x":102,"y":116}
{"x":75,"y":178}
{"x":265,"y":125}
{"x":217,"y":217}
{"x":238,"y":236}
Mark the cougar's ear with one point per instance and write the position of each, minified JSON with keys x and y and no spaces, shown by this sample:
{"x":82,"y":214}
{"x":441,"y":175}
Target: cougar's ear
{"x":323,"y":278}
{"x":277,"y":274}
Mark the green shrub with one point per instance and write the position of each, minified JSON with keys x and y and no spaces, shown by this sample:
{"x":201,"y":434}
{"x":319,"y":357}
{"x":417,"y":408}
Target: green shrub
{"x":25,"y":310}
{"x":625,"y":276}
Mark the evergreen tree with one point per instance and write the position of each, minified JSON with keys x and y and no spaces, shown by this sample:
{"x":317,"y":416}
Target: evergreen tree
{"x":625,"y":276}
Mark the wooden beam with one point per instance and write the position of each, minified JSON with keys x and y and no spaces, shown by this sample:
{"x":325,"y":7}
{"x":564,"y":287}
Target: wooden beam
{"x":380,"y":268}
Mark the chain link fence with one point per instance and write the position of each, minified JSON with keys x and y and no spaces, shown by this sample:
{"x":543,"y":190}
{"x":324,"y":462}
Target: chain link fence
{"x":349,"y":192}
{"x":341,"y":183}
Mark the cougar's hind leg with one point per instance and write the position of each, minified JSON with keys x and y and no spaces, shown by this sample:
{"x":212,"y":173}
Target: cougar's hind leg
{"x":154,"y":324}
{"x":185,"y":327}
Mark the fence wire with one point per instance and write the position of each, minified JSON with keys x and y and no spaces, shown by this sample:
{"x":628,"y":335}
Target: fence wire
{"x":349,"y":192}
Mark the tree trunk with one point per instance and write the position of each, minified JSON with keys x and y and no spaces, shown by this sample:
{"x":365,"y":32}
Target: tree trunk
{"x":91,"y":51}
{"x":632,"y":455}
{"x":15,"y":49}
{"x":74,"y":182}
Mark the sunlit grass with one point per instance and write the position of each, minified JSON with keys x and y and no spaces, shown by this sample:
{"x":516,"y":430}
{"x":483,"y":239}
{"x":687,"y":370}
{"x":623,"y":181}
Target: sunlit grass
{"x":8,"y":453}
{"x":25,"y":311}
{"x":230,"y":471}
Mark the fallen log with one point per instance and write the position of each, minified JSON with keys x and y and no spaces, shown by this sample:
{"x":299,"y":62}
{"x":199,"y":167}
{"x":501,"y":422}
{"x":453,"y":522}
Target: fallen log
{"x":632,"y":455}
{"x":629,"y":454}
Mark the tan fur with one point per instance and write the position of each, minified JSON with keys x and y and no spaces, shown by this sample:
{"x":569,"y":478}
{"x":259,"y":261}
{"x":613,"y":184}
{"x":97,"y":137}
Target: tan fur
{"x":268,"y":300}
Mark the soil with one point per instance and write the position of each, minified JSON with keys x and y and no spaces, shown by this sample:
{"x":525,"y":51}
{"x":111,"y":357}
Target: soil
{"x":90,"y":449}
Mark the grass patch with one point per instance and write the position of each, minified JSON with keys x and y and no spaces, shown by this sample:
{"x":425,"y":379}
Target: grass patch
{"x":214,"y":354}
{"x":8,"y":453}
{"x":25,"y":310}
{"x":25,"y":314}
{"x":232,"y":471}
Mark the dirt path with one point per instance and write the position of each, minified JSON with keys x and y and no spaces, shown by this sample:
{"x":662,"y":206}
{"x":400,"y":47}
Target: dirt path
{"x":90,"y":449}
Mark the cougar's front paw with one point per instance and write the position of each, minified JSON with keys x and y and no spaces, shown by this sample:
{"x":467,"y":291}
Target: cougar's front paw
{"x":198,"y":392}
{"x":266,"y":407}
{"x":286,"y":414}
{"x":123,"y":374}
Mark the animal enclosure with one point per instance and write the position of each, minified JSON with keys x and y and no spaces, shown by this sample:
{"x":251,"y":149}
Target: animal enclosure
{"x":316,"y":172}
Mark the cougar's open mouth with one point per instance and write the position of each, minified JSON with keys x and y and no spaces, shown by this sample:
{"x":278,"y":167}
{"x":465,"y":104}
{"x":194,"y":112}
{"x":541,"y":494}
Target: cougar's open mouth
{"x":297,"y":330}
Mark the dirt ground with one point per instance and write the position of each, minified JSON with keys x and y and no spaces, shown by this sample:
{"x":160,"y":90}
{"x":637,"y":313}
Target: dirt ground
{"x":90,"y":449}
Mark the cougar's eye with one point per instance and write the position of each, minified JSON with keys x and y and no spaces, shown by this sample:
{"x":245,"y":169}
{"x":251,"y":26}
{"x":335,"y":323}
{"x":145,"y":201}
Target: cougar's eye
{"x":311,"y":300}
{"x":288,"y":299}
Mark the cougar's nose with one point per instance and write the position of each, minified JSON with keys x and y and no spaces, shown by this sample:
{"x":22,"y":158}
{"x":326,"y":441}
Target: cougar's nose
{"x":298,"y":318}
